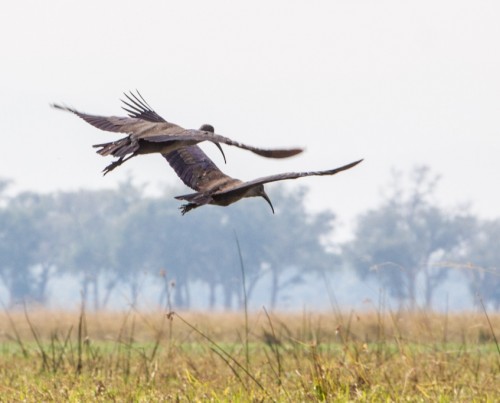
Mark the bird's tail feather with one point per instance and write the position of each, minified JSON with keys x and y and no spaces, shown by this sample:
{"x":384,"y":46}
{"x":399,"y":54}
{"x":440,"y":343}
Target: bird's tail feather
{"x":198,"y":199}
{"x":189,"y":197}
{"x":119,"y":148}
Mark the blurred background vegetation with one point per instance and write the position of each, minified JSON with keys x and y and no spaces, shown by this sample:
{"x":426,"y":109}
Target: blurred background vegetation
{"x":111,"y":247}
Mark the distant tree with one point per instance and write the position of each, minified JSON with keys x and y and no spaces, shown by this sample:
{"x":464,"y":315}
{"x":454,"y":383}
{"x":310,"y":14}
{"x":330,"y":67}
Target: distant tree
{"x":24,"y":266}
{"x":400,"y":240}
{"x":192,"y":248}
{"x":289,"y":241}
{"x":118,"y":235}
{"x":139,"y":242}
{"x":482,"y":257}
{"x":88,"y":224}
{"x":201,"y":246}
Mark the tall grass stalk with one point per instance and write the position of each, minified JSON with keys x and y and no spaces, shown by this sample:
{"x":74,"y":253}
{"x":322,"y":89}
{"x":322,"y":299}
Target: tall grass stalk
{"x":16,"y":333}
{"x":37,"y":339}
{"x":245,"y":300}
{"x":80,"y":341}
{"x":229,"y":357}
{"x":491,"y":329}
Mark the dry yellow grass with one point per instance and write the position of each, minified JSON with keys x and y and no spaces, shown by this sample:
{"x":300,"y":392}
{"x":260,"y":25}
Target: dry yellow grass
{"x":418,"y":326}
{"x":145,"y":356}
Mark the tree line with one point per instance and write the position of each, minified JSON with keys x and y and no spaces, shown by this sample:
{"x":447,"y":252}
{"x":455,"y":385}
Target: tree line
{"x":108,"y":238}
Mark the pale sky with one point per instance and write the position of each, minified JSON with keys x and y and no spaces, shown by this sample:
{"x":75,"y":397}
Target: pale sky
{"x":397,"y":83}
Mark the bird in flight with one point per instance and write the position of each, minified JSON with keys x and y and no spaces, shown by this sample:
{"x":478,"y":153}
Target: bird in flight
{"x":149,"y":133}
{"x":213,"y":186}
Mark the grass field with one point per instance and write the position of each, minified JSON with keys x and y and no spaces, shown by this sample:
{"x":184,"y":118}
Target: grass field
{"x":150,"y":356}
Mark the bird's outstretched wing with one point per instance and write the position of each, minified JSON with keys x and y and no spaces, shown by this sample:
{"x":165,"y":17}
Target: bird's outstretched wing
{"x":285,"y":176}
{"x":142,"y":118}
{"x":295,"y":175}
{"x":115,"y":124}
{"x":138,"y":108}
{"x":119,"y":124}
{"x":199,"y":136}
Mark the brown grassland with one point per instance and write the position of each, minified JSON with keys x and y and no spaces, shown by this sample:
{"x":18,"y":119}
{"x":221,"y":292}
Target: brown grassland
{"x":151,"y":356}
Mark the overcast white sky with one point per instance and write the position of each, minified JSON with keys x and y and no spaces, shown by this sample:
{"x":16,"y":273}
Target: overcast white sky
{"x":397,"y":83}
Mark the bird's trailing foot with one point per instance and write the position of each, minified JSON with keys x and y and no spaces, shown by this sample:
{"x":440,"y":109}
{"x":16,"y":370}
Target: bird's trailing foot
{"x":112,"y":166}
{"x":185,"y":208}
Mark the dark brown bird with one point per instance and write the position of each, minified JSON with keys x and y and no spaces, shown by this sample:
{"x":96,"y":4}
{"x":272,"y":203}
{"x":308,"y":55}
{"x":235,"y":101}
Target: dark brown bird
{"x":149,"y":133}
{"x":213,"y":186}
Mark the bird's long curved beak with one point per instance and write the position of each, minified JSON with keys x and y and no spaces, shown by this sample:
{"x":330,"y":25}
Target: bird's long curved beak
{"x":267,"y":199}
{"x":221,"y":150}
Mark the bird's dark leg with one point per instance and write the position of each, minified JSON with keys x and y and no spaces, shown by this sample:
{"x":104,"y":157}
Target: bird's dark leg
{"x":116,"y":163}
{"x":112,"y":166}
{"x":187,"y":207}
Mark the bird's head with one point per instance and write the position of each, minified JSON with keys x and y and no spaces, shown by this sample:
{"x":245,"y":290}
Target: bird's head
{"x":207,"y":128}
{"x":259,"y":191}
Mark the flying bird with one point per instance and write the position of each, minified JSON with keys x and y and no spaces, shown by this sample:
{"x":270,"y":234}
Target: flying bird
{"x":149,"y":133}
{"x":213,"y":186}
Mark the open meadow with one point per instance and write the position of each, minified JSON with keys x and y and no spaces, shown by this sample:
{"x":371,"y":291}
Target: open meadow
{"x":153,"y":356}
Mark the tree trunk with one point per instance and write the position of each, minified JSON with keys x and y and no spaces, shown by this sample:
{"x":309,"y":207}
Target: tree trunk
{"x":412,"y":289}
{"x":274,"y":288}
{"x":164,"y":299}
{"x":228,"y":294}
{"x":251,"y":286}
{"x":178,"y":297}
{"x":109,"y":288}
{"x":95,"y":284}
{"x":85,"y":289}
{"x":187,"y":298}
{"x":430,"y":284}
{"x":211,"y":295}
{"x":41,"y":292}
{"x":134,"y":292}
{"x":19,"y":287}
